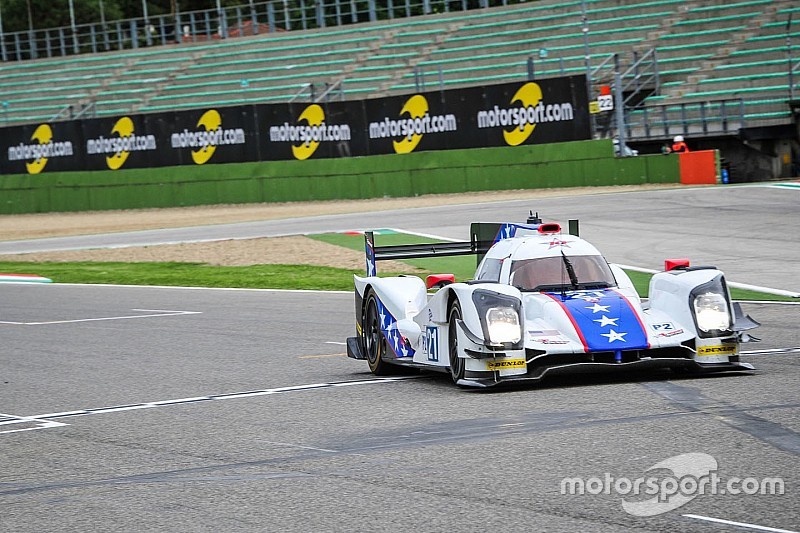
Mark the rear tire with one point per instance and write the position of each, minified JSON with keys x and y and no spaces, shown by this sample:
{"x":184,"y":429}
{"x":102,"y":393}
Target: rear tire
{"x":457,"y":364}
{"x":372,"y":337}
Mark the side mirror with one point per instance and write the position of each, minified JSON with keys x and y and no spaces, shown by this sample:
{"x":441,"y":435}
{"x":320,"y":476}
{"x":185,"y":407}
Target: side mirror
{"x":437,"y":281}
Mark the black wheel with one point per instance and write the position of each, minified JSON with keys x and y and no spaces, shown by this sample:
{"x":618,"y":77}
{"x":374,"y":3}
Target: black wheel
{"x":457,"y":364}
{"x":373,"y":341}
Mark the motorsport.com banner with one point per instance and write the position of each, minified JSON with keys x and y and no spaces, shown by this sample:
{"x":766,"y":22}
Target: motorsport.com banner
{"x":512,"y":114}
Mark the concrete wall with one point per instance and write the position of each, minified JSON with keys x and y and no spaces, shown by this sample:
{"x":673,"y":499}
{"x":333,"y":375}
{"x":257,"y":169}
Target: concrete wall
{"x":572,"y":164}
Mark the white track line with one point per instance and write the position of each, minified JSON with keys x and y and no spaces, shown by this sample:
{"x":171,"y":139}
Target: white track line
{"x":739,"y":524}
{"x":40,"y":424}
{"x":182,"y":288}
{"x":48,"y":418}
{"x":155,"y":314}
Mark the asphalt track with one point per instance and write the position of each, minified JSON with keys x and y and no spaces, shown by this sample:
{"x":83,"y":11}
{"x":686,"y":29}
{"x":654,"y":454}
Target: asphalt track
{"x":131,"y":408}
{"x":748,"y":231}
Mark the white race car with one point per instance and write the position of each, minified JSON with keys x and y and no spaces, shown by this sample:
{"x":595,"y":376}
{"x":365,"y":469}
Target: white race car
{"x":542,"y":302}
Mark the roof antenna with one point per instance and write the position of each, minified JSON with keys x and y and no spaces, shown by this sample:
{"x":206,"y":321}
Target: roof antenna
{"x":534,"y":219}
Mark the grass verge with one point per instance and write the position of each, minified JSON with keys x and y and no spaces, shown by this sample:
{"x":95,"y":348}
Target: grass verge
{"x":191,"y":275}
{"x":255,"y":277}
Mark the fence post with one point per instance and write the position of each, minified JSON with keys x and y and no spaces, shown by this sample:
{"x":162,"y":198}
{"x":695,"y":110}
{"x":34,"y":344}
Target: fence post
{"x":254,"y":18}
{"x":320,"y":9}
{"x":619,"y":108}
{"x":683,"y":119}
{"x":703,"y":120}
{"x":2,"y":40}
{"x":531,"y":72}
{"x":106,"y":38}
{"x":239,"y":21}
{"x":271,"y":18}
{"x":223,"y":24}
{"x":61,"y":42}
{"x":134,"y":37}
{"x":741,"y":111}
{"x":120,"y":40}
{"x":724,"y":116}
{"x":373,"y":16}
{"x":178,"y":28}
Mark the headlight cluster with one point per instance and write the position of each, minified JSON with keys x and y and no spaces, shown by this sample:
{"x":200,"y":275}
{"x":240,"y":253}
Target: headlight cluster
{"x":712,"y":311}
{"x":502,"y":324}
{"x":500,"y":316}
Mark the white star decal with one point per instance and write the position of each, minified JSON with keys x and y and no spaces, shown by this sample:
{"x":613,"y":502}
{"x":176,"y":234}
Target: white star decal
{"x":605,"y":321}
{"x":596,"y":308}
{"x":614,"y":336}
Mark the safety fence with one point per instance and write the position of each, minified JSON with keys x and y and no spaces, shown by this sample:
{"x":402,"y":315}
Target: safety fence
{"x":252,"y":18}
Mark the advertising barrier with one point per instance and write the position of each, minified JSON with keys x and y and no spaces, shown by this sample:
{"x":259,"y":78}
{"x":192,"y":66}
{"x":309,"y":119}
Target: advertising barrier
{"x":513,"y":114}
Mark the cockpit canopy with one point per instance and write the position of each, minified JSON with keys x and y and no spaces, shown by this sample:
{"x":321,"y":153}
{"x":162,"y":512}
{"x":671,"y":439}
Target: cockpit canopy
{"x":561,"y":272}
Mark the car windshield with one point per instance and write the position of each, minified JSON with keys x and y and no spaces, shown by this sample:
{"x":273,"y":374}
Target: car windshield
{"x":560,"y":272}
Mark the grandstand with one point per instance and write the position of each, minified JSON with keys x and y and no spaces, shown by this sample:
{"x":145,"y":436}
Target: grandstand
{"x":718,"y":62}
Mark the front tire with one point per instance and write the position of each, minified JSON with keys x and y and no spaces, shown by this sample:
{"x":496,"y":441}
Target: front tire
{"x":457,"y":364}
{"x":373,"y":340}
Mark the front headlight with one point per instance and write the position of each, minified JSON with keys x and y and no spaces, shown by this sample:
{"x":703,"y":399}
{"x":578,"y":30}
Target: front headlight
{"x":502,"y":324}
{"x":711,"y":312}
{"x":711,"y":308}
{"x":501,"y":318}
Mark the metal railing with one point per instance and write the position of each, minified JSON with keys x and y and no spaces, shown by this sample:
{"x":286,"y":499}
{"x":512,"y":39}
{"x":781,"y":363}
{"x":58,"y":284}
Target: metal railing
{"x":630,"y":86}
{"x":724,"y":116}
{"x":75,"y":111}
{"x":329,"y":90}
{"x":252,"y":18}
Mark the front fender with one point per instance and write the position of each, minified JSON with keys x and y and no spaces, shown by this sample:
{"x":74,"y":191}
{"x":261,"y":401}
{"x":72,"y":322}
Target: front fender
{"x":403,"y":296}
{"x":464,"y":293}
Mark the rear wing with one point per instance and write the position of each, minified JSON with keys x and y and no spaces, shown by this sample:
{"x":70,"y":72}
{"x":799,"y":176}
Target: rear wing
{"x":483,"y":235}
{"x":415,"y":251}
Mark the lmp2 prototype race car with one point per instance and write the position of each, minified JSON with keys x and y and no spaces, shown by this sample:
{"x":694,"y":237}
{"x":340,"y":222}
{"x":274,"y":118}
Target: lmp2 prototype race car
{"x":542,"y":303}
